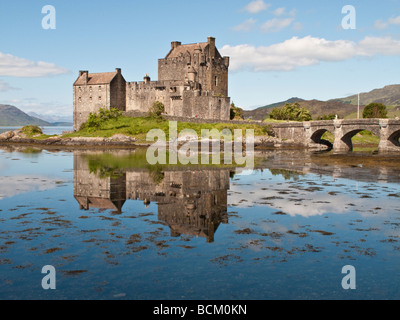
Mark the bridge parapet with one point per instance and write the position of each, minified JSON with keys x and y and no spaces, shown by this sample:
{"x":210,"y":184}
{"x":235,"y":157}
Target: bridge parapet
{"x":310,"y":133}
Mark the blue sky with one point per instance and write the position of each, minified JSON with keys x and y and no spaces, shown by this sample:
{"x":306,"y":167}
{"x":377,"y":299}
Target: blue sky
{"x":278,"y":49}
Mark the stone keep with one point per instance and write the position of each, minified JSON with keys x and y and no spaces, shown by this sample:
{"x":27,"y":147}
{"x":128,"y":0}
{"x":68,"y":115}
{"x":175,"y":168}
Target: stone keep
{"x":192,"y":83}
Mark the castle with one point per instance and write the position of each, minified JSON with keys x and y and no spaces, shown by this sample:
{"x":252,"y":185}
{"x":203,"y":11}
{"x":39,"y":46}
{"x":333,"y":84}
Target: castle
{"x":192,"y":83}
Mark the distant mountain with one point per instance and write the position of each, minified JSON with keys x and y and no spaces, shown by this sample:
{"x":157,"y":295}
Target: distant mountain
{"x":343,"y":107}
{"x":12,"y":116}
{"x":56,"y":120}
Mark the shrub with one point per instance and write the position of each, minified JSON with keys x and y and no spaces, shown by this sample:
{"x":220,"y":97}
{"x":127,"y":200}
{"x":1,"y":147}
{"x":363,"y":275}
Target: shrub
{"x":330,"y":116}
{"x":291,"y":112}
{"x":103,"y":115}
{"x":156,"y":110}
{"x":375,"y":110}
{"x":31,"y":130}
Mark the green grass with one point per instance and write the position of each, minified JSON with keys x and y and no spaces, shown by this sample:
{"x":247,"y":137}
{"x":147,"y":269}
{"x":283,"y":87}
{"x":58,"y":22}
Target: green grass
{"x":31,"y":131}
{"x":269,"y":120}
{"x":363,"y":137}
{"x":114,"y":165}
{"x":139,"y":127}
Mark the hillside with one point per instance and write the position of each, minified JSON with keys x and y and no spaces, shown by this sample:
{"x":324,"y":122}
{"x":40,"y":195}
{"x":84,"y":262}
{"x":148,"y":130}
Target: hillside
{"x":12,"y":116}
{"x":389,"y":96}
{"x":343,"y":107}
{"x":317,"y":108}
{"x":260,"y":113}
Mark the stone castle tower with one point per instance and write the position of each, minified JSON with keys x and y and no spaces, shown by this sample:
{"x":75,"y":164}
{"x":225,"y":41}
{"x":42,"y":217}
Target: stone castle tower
{"x":192,"y":83}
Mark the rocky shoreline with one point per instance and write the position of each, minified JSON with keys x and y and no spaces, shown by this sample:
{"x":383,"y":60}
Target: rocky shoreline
{"x":17,"y":137}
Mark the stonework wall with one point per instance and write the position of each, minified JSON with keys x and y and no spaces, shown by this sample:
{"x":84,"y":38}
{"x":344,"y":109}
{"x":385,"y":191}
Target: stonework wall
{"x":118,"y":93}
{"x":89,"y":99}
{"x":178,"y":100}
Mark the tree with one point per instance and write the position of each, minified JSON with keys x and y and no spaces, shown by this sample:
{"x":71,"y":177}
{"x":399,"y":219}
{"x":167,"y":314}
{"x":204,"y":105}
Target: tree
{"x":291,"y":112}
{"x":375,"y":110}
{"x":236,"y":112}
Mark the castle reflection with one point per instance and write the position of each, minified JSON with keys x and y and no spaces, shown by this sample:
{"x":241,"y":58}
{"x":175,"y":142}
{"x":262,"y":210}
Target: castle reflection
{"x":190,"y":202}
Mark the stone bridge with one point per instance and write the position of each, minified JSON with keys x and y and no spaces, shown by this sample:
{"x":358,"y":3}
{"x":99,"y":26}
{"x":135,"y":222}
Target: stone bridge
{"x":310,"y":133}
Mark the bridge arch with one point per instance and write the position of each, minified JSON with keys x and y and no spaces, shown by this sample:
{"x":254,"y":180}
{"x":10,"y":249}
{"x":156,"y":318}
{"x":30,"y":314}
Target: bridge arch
{"x":394,"y":138}
{"x":346,"y":142}
{"x":316,"y":137}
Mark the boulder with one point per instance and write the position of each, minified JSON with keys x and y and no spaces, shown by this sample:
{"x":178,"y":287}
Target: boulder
{"x":7,"y":135}
{"x":122,"y":138}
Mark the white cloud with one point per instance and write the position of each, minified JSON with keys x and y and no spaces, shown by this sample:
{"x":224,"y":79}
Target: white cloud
{"x":379,"y":24}
{"x":257,"y":6}
{"x":386,"y":46}
{"x":4,"y":86}
{"x":276,"y":25}
{"x":300,"y":52}
{"x":13,"y":66}
{"x":280,"y":11}
{"x":395,"y":20}
{"x":246,"y":25}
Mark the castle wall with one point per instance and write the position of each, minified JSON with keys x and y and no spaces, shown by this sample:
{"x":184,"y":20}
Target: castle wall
{"x":204,"y":107}
{"x":213,"y":79}
{"x":140,"y":96}
{"x":179,"y":100}
{"x":118,"y":92}
{"x":89,"y":99}
{"x":219,"y":77}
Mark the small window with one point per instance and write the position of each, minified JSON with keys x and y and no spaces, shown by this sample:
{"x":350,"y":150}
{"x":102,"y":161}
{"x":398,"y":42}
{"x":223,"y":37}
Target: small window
{"x":79,"y":99}
{"x":99,"y":88}
{"x":216,"y":81}
{"x":90,"y":88}
{"x":99,"y":97}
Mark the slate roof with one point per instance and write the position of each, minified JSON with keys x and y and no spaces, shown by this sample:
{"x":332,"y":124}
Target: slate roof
{"x":96,"y":78}
{"x":182,"y":49}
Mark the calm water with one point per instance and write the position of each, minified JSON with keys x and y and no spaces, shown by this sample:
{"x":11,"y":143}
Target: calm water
{"x":115,"y":228}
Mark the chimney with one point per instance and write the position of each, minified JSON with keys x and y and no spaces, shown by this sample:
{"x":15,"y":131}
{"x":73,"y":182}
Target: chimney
{"x":118,"y":70}
{"x":175,"y":44}
{"x":85,"y":75}
{"x":211,"y":42}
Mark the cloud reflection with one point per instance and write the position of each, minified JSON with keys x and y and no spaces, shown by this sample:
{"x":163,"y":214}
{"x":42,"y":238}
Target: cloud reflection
{"x":15,"y":185}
